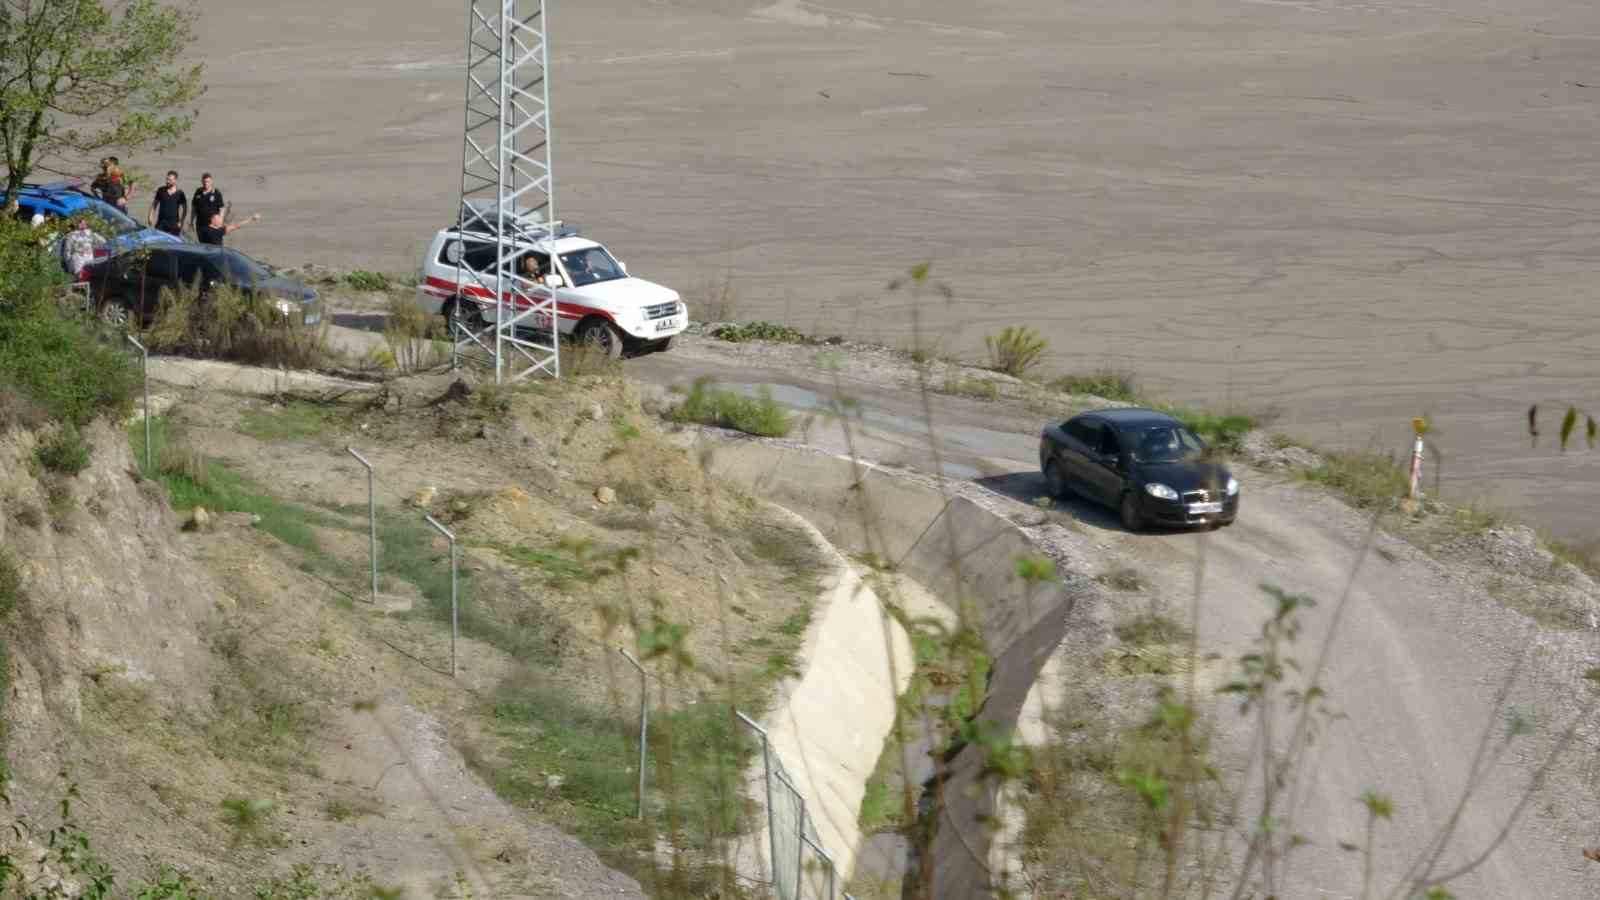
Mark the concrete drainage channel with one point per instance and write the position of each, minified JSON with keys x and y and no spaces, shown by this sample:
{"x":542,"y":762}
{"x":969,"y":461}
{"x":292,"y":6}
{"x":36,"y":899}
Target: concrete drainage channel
{"x":837,"y":718}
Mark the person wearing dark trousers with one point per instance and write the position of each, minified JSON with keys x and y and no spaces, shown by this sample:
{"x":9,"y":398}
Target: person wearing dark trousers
{"x":169,"y":207}
{"x":213,"y":230}
{"x":205,"y":201}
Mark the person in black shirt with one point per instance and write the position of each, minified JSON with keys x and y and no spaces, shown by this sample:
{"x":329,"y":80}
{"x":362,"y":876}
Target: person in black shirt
{"x":205,"y":201}
{"x":213,"y":230}
{"x":169,"y":207}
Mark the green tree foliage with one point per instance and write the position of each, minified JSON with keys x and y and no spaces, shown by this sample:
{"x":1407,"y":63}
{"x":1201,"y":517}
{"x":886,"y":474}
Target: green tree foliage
{"x":82,"y":76}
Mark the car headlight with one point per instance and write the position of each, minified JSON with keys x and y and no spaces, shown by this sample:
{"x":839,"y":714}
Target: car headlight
{"x":1161,"y":491}
{"x":283,"y":307}
{"x":1233,"y":486}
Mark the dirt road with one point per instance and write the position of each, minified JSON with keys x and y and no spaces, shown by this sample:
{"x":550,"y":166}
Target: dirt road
{"x":1416,"y":661}
{"x":1358,"y":212}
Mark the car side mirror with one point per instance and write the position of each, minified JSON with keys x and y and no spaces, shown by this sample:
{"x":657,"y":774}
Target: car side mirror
{"x":555,"y":281}
{"x":623,"y":266}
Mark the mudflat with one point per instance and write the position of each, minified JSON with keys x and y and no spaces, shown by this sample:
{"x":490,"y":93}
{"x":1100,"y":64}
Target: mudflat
{"x":1355,"y":212}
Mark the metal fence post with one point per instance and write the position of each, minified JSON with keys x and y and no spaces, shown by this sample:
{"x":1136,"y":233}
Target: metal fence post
{"x":766,"y":763}
{"x":144,"y":372}
{"x":644,"y":723}
{"x":372,"y":518}
{"x":455,"y":627}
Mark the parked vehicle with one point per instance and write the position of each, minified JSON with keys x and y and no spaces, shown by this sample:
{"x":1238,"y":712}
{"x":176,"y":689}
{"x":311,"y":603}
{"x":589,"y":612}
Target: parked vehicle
{"x":131,"y":284}
{"x":67,"y":200}
{"x":596,"y":299}
{"x":1142,"y":463}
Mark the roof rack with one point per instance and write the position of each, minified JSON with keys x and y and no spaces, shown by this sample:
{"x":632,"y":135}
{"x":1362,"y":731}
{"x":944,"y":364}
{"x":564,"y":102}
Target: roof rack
{"x":483,"y":217}
{"x":66,"y":184}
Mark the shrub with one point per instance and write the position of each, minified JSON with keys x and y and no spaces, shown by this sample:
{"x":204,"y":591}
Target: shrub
{"x":58,"y":366}
{"x":1107,"y":383}
{"x":760,"y":416}
{"x":65,"y":451}
{"x":10,"y":584}
{"x":761,"y":331}
{"x":412,"y":336}
{"x":362,"y":280}
{"x":1015,"y":350}
{"x":229,"y":325}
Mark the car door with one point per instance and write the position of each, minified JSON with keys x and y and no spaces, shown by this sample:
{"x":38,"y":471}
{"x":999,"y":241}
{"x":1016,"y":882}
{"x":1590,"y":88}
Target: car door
{"x":145,"y":272}
{"x":1081,"y":437}
{"x":480,"y":276}
{"x":189,"y":271}
{"x":1105,"y":467}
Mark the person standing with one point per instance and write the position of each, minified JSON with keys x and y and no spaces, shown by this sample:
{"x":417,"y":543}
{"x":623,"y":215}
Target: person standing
{"x":117,"y":185}
{"x":214,"y":229}
{"x":169,"y":207}
{"x":77,"y":247}
{"x":205,"y":201}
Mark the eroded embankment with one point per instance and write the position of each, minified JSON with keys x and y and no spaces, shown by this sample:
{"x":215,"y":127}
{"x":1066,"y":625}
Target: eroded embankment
{"x":963,"y":553}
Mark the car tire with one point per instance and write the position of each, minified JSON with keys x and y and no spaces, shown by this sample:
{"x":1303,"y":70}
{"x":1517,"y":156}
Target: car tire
{"x":603,"y":335}
{"x":663,"y":346}
{"x":1131,"y":517}
{"x":114,"y":312}
{"x":467,"y":315}
{"x":1054,"y":481}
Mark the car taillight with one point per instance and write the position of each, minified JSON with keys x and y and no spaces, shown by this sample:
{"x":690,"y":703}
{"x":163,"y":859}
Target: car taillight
{"x":101,"y":253}
{"x":83,"y":275}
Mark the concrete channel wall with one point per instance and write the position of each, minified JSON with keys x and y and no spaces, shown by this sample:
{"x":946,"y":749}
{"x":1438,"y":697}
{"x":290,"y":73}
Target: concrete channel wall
{"x":964,"y":554}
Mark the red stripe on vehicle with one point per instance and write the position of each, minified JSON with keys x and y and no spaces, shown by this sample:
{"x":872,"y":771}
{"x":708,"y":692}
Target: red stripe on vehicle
{"x":482,"y":293}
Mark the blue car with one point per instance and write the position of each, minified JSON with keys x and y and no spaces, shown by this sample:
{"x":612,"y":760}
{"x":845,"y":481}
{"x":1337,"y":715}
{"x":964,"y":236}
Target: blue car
{"x":67,"y":199}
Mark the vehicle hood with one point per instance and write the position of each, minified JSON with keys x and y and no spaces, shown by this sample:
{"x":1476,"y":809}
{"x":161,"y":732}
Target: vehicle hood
{"x":287,"y":288}
{"x":1186,"y":476}
{"x":625,"y":293}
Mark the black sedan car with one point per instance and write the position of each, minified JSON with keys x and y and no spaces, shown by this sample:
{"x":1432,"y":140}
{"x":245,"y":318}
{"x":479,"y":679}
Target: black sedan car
{"x":1144,"y":464}
{"x":130,"y":284}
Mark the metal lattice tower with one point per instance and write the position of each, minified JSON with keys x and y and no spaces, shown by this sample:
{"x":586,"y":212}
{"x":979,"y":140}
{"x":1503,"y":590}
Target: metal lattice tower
{"x":507,"y":191}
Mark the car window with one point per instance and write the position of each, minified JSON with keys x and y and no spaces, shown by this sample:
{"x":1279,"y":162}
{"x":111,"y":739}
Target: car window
{"x":591,"y":265}
{"x":1167,"y":443}
{"x":1084,"y":432}
{"x":160,"y":264}
{"x":241,"y":269}
{"x":108,"y":220}
{"x":478,"y":256}
{"x":1108,"y":442}
{"x":189,"y":267}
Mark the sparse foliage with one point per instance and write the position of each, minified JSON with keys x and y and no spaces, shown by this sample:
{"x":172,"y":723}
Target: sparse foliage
{"x":708,"y":405}
{"x":81,"y":76}
{"x":1016,"y":350}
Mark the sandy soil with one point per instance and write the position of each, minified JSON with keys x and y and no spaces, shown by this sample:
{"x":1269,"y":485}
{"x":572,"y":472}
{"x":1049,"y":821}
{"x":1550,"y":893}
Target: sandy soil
{"x":1356,"y":211}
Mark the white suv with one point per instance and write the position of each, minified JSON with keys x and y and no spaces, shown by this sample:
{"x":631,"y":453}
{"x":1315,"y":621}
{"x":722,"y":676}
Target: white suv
{"x":596,"y":299}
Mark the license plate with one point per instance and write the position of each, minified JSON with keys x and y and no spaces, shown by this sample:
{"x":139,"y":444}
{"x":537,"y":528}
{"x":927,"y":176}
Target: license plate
{"x":1202,"y":509}
{"x":666,"y":325}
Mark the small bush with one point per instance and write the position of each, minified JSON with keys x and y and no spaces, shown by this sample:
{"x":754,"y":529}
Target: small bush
{"x":229,"y":325}
{"x":717,"y":302}
{"x":363,"y":280}
{"x":56,"y":367}
{"x":413,"y":336}
{"x":1223,"y":433}
{"x":1107,"y":383}
{"x":1122,"y":579}
{"x":1015,"y":350}
{"x":10,"y":584}
{"x":1148,"y":630}
{"x":761,"y":331}
{"x":65,"y":451}
{"x":761,"y":416}
{"x":581,"y":358}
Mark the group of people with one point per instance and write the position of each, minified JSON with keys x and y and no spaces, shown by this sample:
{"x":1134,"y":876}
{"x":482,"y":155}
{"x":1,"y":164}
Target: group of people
{"x":171,"y":210}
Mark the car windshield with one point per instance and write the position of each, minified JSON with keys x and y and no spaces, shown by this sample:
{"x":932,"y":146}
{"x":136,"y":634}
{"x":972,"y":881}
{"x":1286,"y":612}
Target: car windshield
{"x":243,"y":270}
{"x":1166,"y":443}
{"x":108,"y":220}
{"x":590,"y":265}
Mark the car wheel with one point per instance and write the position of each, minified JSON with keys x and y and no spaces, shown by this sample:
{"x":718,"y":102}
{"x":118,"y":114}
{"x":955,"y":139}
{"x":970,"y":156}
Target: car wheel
{"x":1054,"y":481}
{"x":459,"y":312}
{"x":114,"y":312}
{"x":663,"y":345}
{"x":1131,"y":518}
{"x":603,"y":336}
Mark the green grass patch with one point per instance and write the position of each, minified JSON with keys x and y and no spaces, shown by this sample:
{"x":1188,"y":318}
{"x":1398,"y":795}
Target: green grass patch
{"x":62,"y":366}
{"x":761,"y":416}
{"x":363,"y":280}
{"x":694,"y":763}
{"x":739,"y":332}
{"x":289,"y":422}
{"x":1364,"y":480}
{"x":64,"y":452}
{"x":1108,"y":383}
{"x":960,"y":385}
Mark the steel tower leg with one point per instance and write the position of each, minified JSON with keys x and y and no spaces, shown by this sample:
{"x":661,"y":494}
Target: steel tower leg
{"x":507,"y":190}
